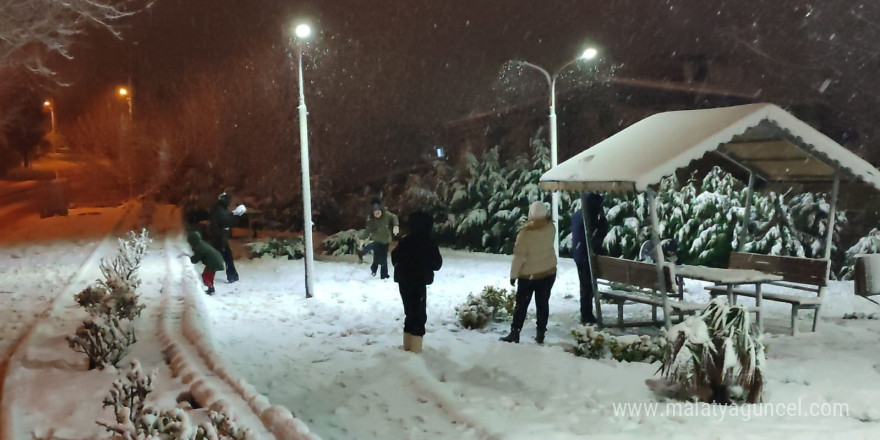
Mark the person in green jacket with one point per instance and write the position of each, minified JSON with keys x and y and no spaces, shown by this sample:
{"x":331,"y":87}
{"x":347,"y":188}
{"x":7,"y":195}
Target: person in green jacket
{"x":205,"y":253}
{"x":381,"y":227}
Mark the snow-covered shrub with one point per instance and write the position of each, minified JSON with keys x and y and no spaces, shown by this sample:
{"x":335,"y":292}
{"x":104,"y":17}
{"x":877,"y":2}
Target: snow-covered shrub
{"x":129,"y":393}
{"x":715,"y":357}
{"x":292,"y":248}
{"x":501,"y":301}
{"x":475,"y":313}
{"x":104,"y":340}
{"x":135,"y":420}
{"x":344,"y":242}
{"x":861,"y":315}
{"x":122,"y":268}
{"x":869,"y":244}
{"x":110,"y":298}
{"x":479,"y":309}
{"x":596,"y":344}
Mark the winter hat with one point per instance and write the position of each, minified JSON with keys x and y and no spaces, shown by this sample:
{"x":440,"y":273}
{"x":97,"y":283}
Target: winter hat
{"x":376,"y":204}
{"x":224,"y":199}
{"x":538,"y":210}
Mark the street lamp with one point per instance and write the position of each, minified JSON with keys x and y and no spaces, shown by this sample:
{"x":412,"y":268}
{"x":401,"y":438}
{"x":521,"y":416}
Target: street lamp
{"x":125,"y":135}
{"x":302,"y":32}
{"x":49,"y":106}
{"x":588,"y":54}
{"x":124,"y":94}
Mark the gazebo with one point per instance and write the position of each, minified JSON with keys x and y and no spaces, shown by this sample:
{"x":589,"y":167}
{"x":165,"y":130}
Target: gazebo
{"x":763,"y":140}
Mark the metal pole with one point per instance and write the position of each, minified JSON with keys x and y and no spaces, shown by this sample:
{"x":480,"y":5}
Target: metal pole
{"x":554,"y":160}
{"x":829,"y":234}
{"x":747,"y":214}
{"x":306,"y":185}
{"x":658,"y":257}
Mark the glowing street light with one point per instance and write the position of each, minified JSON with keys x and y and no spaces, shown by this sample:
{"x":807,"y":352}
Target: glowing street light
{"x":302,"y":32}
{"x":51,"y":108}
{"x":588,"y":54}
{"x":126,"y":95}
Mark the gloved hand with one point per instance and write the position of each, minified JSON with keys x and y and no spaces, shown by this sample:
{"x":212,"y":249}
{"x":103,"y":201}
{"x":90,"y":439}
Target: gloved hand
{"x":513,"y":281}
{"x":395,"y":230}
{"x":239,"y":210}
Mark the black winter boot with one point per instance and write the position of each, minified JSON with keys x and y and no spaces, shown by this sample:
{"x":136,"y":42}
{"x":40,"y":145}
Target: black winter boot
{"x":513,"y":336}
{"x":539,"y":336}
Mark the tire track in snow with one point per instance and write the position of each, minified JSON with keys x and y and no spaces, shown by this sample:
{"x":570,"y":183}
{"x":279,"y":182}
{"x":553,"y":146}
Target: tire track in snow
{"x":430,"y":388}
{"x":193,"y":360}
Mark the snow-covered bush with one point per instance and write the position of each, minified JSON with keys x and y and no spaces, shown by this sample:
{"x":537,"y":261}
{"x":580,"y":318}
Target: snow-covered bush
{"x":122,"y":268}
{"x":110,"y":298}
{"x":861,"y":315}
{"x":344,"y":242}
{"x":869,"y":244}
{"x":715,"y":357}
{"x":115,"y":294}
{"x":596,"y":344}
{"x":491,"y":303}
{"x":474,"y":313}
{"x":135,"y":420}
{"x":104,"y":340}
{"x":292,"y":248}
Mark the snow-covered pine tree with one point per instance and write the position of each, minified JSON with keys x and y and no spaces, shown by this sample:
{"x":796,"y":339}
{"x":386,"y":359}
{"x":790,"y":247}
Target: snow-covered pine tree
{"x":869,"y":244}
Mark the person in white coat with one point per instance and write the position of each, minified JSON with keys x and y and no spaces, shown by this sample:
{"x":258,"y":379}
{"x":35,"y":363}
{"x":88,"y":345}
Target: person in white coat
{"x":533,"y":270}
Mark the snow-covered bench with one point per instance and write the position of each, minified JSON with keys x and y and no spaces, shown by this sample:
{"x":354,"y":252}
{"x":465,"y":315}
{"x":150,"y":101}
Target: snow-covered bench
{"x":867,"y":275}
{"x":633,"y":281}
{"x":800,"y":274}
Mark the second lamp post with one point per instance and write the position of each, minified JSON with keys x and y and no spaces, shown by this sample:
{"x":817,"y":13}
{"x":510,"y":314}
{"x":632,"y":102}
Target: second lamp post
{"x":303,"y":32}
{"x":588,"y":54}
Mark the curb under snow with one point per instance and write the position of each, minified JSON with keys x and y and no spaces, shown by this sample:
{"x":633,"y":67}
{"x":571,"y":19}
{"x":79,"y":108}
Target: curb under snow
{"x":275,"y":418}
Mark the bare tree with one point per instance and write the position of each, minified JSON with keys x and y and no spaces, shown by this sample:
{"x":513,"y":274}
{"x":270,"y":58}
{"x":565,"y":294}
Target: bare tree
{"x":32,"y":30}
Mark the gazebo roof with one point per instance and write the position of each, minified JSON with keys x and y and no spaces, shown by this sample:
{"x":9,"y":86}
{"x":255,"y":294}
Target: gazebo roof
{"x":761,"y":138}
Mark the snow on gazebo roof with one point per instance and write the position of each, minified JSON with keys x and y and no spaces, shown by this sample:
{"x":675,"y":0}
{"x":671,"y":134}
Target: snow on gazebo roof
{"x":762,"y":138}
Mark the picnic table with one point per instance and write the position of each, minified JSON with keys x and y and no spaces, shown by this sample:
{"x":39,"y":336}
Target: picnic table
{"x":728,"y":278}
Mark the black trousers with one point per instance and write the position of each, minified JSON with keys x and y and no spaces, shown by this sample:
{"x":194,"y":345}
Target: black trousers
{"x":414,"y":307}
{"x":380,"y":257}
{"x":231,"y":273}
{"x":586,"y":282}
{"x":524,"y":290}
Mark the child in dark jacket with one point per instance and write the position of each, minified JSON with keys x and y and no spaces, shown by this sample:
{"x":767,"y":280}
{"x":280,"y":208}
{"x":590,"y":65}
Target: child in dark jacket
{"x":415,"y":259}
{"x":205,"y":253}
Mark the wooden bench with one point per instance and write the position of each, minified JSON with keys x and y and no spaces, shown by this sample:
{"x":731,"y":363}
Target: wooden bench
{"x":636,"y":282}
{"x":800,"y":274}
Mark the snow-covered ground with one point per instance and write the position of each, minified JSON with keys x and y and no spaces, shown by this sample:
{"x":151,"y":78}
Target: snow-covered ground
{"x":335,"y":360}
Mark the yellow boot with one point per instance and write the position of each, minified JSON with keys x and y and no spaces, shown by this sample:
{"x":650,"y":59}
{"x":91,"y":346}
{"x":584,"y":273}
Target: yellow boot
{"x":416,"y":344}
{"x":407,"y":341}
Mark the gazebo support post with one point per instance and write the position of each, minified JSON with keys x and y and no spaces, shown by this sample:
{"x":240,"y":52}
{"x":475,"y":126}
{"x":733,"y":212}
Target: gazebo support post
{"x":658,"y":256}
{"x":829,"y":241}
{"x":747,"y":214}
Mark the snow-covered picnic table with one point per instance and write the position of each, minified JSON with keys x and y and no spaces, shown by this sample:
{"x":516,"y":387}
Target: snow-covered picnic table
{"x":728,"y":278}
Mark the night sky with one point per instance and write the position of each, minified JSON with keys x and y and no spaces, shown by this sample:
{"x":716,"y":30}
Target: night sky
{"x":382,"y":65}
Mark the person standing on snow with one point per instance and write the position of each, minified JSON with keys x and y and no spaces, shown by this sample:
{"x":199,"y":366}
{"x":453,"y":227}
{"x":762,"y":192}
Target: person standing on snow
{"x":381,"y":227}
{"x":205,"y":253}
{"x":415,"y":259}
{"x":222,"y":221}
{"x":596,"y":226}
{"x":533,"y":270}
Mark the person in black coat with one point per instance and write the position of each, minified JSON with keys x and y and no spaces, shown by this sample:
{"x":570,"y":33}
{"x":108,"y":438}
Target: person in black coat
{"x":596,"y":226}
{"x":415,"y":259}
{"x":221,"y":223}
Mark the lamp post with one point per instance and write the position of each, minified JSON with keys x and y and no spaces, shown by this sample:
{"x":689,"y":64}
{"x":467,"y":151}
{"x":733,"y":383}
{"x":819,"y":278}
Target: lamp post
{"x":588,"y":54}
{"x":51,"y":107}
{"x":125,"y":135}
{"x":302,"y":32}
